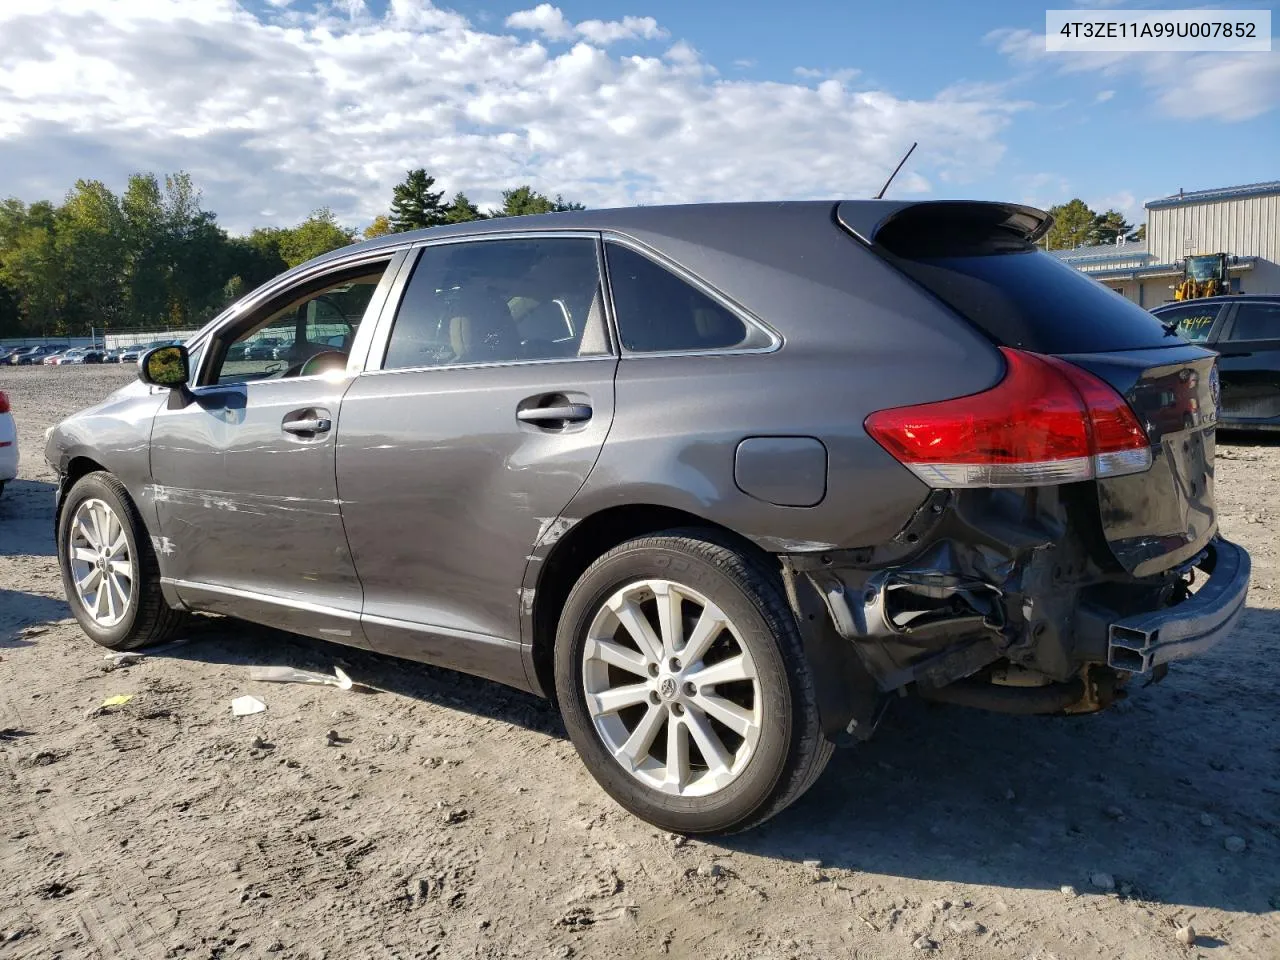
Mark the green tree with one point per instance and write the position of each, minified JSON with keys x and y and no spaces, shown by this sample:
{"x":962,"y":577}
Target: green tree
{"x":1108,"y":227}
{"x":380,"y":227}
{"x":150,"y":261}
{"x":30,"y":266}
{"x":1139,"y":235}
{"x":318,"y":234}
{"x":525,"y":201}
{"x":90,"y":243}
{"x":462,"y":210}
{"x":1072,"y":225}
{"x":414,"y":204}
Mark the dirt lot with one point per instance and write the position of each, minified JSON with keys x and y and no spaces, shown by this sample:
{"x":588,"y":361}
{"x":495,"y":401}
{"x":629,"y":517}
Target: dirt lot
{"x":452,"y":818}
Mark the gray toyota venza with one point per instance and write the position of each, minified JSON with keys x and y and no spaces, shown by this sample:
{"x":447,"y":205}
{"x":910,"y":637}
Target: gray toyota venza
{"x":722,"y":480}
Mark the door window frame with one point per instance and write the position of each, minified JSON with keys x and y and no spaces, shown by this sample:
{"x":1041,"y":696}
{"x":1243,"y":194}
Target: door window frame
{"x":381,"y":337}
{"x":278,"y":292}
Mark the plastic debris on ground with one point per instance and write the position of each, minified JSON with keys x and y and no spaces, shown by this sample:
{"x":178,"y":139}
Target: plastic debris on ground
{"x":292,"y":675}
{"x":244,"y":706}
{"x":117,"y":701}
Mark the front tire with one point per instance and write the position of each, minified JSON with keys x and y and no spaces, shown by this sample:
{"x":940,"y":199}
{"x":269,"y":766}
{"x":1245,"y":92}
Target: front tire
{"x":684,"y":686}
{"x":109,"y":571}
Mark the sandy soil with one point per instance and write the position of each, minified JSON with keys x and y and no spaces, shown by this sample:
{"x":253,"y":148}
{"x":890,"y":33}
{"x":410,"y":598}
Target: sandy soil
{"x":453,"y":819}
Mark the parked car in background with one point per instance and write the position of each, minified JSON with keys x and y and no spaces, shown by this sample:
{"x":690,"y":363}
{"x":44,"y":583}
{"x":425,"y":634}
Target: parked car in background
{"x":1244,"y":330}
{"x":33,"y":355}
{"x":723,"y":479}
{"x":8,"y":442}
{"x":262,"y":349}
{"x":83,"y":355}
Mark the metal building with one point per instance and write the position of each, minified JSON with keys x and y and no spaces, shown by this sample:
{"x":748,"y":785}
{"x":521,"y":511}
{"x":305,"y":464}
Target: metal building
{"x":1242,"y":222}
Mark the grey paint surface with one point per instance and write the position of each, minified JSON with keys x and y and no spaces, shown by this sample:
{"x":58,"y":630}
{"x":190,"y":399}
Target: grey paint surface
{"x":445,"y":493}
{"x":225,"y":475}
{"x":785,"y":471}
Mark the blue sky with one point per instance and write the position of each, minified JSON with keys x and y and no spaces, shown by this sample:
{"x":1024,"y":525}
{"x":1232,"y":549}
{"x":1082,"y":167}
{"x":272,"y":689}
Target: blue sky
{"x":279,"y":106}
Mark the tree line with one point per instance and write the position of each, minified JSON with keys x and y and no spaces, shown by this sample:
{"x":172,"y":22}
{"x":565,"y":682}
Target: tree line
{"x":152,"y":257}
{"x":1075,"y":224}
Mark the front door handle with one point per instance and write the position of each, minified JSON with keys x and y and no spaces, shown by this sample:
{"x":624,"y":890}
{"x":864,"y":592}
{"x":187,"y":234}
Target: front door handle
{"x":312,"y":425}
{"x":562,"y":413}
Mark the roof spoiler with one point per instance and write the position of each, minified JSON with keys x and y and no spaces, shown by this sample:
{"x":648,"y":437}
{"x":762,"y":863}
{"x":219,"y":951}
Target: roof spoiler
{"x":886,"y":221}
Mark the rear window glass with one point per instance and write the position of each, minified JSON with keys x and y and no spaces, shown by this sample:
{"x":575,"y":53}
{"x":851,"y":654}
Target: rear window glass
{"x":1033,"y":300}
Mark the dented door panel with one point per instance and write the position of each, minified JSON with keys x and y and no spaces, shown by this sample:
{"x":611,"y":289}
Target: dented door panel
{"x":225,"y":473}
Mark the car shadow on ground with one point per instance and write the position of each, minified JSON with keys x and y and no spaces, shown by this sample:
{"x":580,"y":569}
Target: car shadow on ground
{"x":20,"y":609}
{"x":26,"y":519}
{"x":954,"y":795}
{"x":224,"y":640}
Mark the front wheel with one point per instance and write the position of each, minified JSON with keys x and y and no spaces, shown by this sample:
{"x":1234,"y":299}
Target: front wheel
{"x":684,"y":687}
{"x":109,"y":571}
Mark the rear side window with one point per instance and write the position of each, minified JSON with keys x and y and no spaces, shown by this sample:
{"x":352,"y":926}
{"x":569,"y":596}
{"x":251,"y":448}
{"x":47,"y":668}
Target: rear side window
{"x":658,"y":312}
{"x":1256,"y":321}
{"x":1192,"y":322}
{"x":985,"y":267}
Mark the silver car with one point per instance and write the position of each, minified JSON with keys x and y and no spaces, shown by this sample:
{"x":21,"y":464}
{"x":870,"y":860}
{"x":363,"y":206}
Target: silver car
{"x":723,"y":480}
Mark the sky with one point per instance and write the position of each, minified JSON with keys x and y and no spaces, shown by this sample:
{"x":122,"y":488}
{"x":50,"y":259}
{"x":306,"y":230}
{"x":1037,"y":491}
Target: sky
{"x":278,"y":107}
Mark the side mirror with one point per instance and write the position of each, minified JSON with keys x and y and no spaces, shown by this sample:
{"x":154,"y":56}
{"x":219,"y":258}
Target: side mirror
{"x":168,"y":367}
{"x":164,"y":366}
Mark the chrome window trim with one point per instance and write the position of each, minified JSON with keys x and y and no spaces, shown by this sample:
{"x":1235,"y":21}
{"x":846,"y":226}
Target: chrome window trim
{"x":666,"y":263}
{"x":386,"y":322}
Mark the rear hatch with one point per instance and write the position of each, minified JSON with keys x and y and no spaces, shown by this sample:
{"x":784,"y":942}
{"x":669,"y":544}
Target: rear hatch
{"x":981,"y":260}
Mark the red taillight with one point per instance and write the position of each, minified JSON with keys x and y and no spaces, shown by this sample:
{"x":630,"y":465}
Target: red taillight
{"x":4,"y":402}
{"x":1046,"y":422}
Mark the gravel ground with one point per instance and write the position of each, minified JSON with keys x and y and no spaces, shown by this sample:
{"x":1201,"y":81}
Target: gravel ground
{"x":451,"y":817}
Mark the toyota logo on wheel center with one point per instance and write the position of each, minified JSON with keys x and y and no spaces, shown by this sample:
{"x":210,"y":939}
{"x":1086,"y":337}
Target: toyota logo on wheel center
{"x":667,"y":689}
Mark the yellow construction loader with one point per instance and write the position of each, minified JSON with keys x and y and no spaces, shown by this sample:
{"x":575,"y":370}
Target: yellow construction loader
{"x":1204,"y":275}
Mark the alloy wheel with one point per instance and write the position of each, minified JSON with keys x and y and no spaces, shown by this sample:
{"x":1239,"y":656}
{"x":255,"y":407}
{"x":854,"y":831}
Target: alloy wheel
{"x":102,"y":568}
{"x":671,"y":688}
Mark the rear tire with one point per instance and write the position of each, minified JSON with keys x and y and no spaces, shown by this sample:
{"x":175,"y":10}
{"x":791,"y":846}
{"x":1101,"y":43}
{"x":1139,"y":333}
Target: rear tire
{"x":747,"y":740}
{"x":109,"y":571}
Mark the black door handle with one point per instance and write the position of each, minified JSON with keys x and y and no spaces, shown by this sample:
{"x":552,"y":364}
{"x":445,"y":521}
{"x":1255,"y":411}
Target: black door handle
{"x":562,"y":413}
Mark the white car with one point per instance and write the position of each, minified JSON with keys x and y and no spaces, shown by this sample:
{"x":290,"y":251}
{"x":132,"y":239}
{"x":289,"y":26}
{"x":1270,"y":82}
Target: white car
{"x":8,"y":443}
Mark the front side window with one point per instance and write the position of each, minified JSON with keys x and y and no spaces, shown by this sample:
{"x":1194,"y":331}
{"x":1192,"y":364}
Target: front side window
{"x":500,"y":301}
{"x":308,"y":333}
{"x":658,"y":312}
{"x":1192,"y":322}
{"x":1256,"y":321}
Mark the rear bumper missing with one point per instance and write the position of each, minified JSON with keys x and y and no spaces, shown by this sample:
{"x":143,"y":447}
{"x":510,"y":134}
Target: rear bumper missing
{"x":1139,"y":643}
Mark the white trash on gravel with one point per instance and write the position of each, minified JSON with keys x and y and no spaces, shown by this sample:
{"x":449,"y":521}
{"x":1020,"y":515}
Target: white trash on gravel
{"x":293,"y":675}
{"x":245,"y":706}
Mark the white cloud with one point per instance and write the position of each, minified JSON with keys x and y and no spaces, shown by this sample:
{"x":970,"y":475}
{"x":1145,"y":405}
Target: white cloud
{"x":276,"y":114}
{"x":1189,"y":86}
{"x":1103,"y":96}
{"x":544,"y":19}
{"x":551,"y":23}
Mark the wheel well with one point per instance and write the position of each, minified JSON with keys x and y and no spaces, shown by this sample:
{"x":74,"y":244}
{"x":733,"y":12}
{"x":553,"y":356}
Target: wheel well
{"x":76,"y":468}
{"x":581,"y":546}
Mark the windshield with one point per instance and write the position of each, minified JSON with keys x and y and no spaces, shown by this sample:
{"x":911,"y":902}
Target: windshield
{"x":1204,"y":268}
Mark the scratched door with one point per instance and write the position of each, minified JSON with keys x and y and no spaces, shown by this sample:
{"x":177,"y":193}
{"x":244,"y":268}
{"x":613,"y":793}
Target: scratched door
{"x":248,"y":507}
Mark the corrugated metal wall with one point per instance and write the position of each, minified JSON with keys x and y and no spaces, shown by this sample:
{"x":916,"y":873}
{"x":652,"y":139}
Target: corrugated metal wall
{"x":1248,"y":227}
